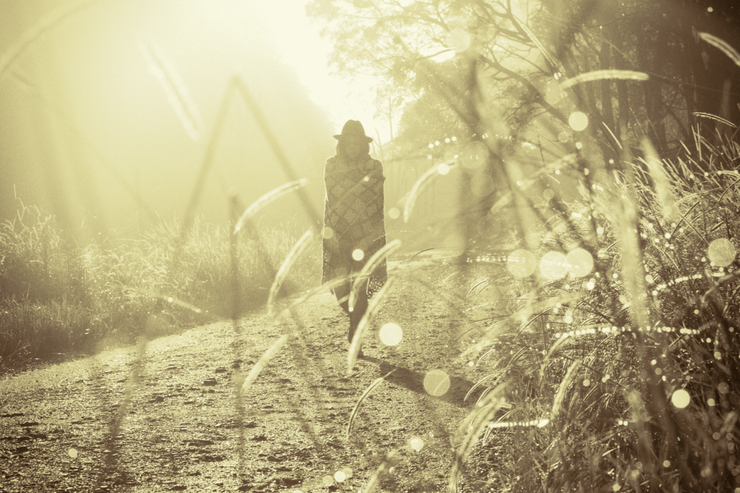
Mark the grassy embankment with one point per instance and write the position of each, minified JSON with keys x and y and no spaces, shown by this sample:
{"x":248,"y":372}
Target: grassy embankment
{"x":57,"y":297}
{"x":617,"y":367}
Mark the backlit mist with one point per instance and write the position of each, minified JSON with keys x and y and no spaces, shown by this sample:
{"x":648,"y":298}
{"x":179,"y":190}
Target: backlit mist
{"x":110,"y":100}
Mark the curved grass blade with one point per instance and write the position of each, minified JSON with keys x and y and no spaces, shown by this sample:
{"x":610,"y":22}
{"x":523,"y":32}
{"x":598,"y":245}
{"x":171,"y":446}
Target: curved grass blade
{"x":369,"y":267}
{"x":495,"y":376}
{"x":354,"y":348}
{"x":419,"y":253}
{"x":266,"y":199}
{"x":520,"y":317}
{"x":557,"y":403}
{"x":472,"y":427}
{"x":536,"y":42}
{"x":710,"y":116}
{"x":663,"y":186}
{"x":260,"y":365}
{"x":614,"y":137}
{"x":602,"y":75}
{"x":418,"y":187}
{"x":176,"y":91}
{"x":559,"y":342}
{"x":316,"y":291}
{"x":277,"y":149}
{"x":369,"y":389}
{"x":282,"y":272}
{"x":485,"y":283}
{"x":723,"y":45}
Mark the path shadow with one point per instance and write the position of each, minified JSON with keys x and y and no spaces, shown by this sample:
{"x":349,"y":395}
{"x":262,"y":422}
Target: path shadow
{"x":414,"y":381}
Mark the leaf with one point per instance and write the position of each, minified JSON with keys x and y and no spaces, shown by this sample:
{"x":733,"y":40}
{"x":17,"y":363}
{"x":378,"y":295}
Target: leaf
{"x":260,"y":365}
{"x":602,"y":75}
{"x":266,"y":199}
{"x":370,"y":266}
{"x":723,"y":46}
{"x":282,"y":272}
{"x":354,"y":347}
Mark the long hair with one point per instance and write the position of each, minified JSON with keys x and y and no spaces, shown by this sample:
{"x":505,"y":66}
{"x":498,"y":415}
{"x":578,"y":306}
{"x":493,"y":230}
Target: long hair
{"x":342,"y":153}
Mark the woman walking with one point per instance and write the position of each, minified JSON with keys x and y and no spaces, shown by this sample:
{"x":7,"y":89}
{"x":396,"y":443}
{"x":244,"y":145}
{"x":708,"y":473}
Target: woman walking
{"x":353,"y":220}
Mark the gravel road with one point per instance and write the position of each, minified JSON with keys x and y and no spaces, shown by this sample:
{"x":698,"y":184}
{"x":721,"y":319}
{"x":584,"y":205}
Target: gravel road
{"x":168,"y":415}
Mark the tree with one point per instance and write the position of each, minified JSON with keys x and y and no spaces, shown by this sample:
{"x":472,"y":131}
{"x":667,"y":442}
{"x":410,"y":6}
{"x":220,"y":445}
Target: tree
{"x":470,"y":59}
{"x":658,"y":38}
{"x":507,"y":74}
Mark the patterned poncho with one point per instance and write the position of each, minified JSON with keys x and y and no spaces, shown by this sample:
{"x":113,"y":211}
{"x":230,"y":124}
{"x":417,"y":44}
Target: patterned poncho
{"x":353,"y":218}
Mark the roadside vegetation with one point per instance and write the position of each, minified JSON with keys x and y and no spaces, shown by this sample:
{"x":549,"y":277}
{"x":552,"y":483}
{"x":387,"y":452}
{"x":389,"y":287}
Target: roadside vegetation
{"x":609,"y":188}
{"x":610,"y":345}
{"x":59,"y":298}
{"x":615,"y":367}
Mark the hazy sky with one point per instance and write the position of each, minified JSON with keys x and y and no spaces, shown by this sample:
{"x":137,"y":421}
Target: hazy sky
{"x":126,"y":94}
{"x":298,"y":41}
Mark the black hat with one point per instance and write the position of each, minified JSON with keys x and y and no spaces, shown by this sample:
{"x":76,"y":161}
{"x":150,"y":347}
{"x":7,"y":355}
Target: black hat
{"x":355,"y":129}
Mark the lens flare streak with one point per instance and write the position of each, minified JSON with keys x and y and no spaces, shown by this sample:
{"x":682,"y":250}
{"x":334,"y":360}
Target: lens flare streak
{"x":591,"y":330}
{"x":539,"y":423}
{"x":176,"y":91}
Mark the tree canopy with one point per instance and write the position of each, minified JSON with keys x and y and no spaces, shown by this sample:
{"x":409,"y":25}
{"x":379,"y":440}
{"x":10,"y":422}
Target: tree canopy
{"x":535,"y":80}
{"x":512,"y":54}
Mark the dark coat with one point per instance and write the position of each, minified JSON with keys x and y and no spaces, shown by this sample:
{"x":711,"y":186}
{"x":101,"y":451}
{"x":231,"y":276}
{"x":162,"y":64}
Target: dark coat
{"x":353,"y":218}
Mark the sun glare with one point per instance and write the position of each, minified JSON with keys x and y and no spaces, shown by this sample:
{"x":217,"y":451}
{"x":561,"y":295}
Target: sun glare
{"x":136,"y":94}
{"x":300,"y":45}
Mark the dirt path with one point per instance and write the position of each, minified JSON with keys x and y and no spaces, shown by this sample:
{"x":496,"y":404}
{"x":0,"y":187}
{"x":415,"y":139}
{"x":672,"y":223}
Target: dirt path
{"x":166,"y":417}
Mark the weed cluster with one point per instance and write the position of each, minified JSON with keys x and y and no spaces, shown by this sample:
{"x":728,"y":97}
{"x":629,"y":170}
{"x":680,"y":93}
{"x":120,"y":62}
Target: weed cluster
{"x":617,"y":367}
{"x":59,"y":297}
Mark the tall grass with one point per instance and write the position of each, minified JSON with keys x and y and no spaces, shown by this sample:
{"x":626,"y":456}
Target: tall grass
{"x":625,"y":378}
{"x":60,"y":297}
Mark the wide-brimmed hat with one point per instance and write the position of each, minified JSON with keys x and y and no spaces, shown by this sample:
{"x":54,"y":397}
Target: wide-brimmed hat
{"x":353,"y":128}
